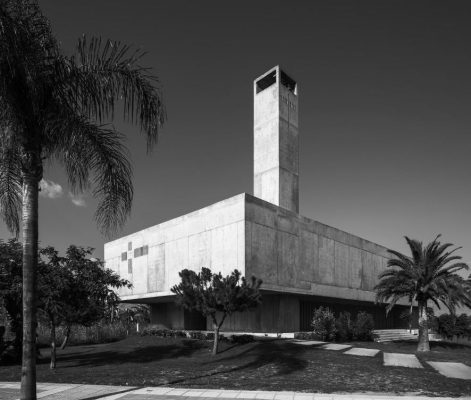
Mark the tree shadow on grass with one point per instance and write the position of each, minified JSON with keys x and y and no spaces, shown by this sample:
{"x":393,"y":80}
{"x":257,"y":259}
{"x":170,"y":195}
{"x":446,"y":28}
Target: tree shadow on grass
{"x":286,"y":359}
{"x":139,"y":355}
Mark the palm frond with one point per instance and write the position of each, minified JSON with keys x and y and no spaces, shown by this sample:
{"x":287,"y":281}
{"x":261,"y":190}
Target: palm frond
{"x":10,"y":181}
{"x":104,"y":72}
{"x":451,"y":269}
{"x":416,"y":249}
{"x":95,"y":156}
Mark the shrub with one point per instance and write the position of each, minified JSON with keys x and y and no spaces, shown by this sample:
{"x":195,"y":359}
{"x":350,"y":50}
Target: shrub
{"x":102,"y":332}
{"x":306,"y":336}
{"x":433,"y":324}
{"x":201,"y":335}
{"x":463,"y":325}
{"x":363,"y":326}
{"x":160,"y":332}
{"x":163,"y":333}
{"x":446,"y":325}
{"x":344,"y":325}
{"x":198,"y":335}
{"x":242,"y":339}
{"x":323,"y":324}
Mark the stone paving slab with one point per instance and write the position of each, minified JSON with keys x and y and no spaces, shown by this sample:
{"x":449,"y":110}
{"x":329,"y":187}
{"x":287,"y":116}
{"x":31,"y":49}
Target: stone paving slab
{"x":306,"y":396}
{"x":10,"y":391}
{"x":62,"y":391}
{"x":334,"y":346}
{"x":401,"y":360}
{"x":308,"y":342}
{"x":361,"y":351}
{"x":452,"y":369}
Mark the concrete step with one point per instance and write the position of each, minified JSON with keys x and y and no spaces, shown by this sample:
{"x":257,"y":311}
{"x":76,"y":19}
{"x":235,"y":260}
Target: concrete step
{"x":388,"y":335}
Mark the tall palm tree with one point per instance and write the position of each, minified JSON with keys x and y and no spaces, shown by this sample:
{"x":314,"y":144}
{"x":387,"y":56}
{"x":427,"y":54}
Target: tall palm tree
{"x":53,"y":107}
{"x":428,"y":276}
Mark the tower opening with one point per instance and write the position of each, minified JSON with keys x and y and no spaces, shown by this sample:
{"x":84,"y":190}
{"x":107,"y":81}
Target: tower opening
{"x":288,"y":82}
{"x":266,"y":81}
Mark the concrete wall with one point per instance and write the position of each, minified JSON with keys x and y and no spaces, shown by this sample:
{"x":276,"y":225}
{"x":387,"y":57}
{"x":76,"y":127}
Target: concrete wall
{"x":276,"y":143}
{"x":212,"y":237}
{"x":293,"y":254}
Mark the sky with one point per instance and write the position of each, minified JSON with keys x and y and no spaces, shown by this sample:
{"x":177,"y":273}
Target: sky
{"x":384,"y":108}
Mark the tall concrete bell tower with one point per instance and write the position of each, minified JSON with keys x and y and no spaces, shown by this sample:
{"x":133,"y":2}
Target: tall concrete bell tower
{"x":276,"y":143}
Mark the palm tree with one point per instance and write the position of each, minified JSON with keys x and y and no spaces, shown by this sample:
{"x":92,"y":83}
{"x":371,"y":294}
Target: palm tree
{"x":425,"y":277}
{"x":53,"y":107}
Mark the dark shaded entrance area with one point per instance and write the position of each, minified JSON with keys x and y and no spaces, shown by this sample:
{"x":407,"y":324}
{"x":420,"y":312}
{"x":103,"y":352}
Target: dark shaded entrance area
{"x":194,"y":321}
{"x":392,"y":321}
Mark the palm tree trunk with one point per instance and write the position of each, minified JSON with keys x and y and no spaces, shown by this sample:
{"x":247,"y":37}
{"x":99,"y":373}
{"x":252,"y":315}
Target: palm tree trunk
{"x":423,"y":327}
{"x":30,"y":260}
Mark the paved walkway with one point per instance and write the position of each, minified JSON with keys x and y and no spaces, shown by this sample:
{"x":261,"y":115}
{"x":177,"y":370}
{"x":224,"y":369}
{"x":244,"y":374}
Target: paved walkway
{"x":448,"y":369}
{"x":54,"y":391}
{"x":452,"y":369}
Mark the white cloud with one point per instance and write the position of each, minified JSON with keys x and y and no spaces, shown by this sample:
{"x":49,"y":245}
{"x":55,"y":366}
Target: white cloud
{"x":50,"y":189}
{"x":78,"y":200}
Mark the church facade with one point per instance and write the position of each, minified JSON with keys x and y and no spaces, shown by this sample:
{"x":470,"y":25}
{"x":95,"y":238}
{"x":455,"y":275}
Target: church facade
{"x":303,"y":263}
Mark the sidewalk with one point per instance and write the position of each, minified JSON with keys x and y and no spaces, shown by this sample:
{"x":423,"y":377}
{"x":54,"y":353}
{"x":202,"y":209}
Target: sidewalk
{"x":57,"y":391}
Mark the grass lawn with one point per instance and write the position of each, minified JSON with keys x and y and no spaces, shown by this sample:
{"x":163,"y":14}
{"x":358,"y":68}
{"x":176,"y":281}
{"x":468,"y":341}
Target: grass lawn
{"x":261,"y":365}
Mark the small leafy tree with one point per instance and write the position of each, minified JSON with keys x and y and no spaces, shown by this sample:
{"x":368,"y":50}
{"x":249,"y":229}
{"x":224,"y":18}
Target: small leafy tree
{"x":75,"y":289}
{"x":323,"y":324}
{"x":216,"y":296}
{"x":11,"y":261}
{"x":54,"y":290}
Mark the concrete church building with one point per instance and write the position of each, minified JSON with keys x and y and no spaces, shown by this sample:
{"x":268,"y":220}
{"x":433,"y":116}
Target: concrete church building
{"x":303,"y":263}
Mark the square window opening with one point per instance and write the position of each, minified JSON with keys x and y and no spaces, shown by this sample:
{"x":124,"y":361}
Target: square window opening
{"x":130,"y":266}
{"x":266,"y":81}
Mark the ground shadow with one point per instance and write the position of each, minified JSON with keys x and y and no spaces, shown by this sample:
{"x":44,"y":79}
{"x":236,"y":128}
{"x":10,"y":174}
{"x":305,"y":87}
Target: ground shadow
{"x":286,"y":356}
{"x":146,"y":354}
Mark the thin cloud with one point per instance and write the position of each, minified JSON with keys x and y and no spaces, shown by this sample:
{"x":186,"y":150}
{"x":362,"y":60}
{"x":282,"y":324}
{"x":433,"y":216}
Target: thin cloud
{"x":78,"y":200}
{"x":50,"y":189}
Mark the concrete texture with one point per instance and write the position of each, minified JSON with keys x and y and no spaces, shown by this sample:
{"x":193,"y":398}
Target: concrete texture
{"x":452,"y":369}
{"x":336,"y":347}
{"x":276,"y":143}
{"x":359,"y":351}
{"x":401,"y":360}
{"x":212,"y":237}
{"x":291,"y":253}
